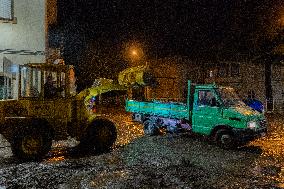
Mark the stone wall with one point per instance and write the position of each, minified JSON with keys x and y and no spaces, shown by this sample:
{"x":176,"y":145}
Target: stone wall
{"x":249,"y":80}
{"x":172,"y":74}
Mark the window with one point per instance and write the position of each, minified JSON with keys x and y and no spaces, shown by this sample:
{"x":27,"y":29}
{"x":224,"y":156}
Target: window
{"x":1,"y":81}
{"x":228,"y":70}
{"x":6,"y":9}
{"x":235,"y":70}
{"x":206,"y":98}
{"x":223,"y":70}
{"x":251,"y":94}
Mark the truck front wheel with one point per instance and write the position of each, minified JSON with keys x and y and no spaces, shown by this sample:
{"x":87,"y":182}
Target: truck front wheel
{"x":224,"y":139}
{"x":31,"y":143}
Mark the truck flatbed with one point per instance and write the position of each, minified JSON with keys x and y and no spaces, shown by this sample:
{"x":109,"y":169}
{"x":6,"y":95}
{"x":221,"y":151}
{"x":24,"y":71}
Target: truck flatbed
{"x":175,"y":110}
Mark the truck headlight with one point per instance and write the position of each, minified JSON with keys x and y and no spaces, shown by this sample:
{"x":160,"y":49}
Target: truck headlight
{"x":251,"y":125}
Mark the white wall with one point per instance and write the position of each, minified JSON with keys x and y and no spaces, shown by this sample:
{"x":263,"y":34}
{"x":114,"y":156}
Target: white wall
{"x":28,"y":33}
{"x":25,"y":37}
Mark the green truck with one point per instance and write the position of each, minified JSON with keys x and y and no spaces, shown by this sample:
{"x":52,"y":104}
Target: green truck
{"x":210,"y":110}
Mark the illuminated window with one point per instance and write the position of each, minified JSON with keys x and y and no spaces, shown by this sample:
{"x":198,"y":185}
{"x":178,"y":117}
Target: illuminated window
{"x":6,"y":9}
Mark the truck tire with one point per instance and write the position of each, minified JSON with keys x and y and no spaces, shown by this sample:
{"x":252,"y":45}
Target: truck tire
{"x":99,"y":137}
{"x":31,"y":143}
{"x":138,"y":117}
{"x":150,"y":127}
{"x":225,"y":139}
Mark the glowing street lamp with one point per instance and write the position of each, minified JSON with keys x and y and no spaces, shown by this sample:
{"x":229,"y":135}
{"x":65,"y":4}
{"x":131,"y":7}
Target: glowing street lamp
{"x":133,"y":53}
{"x":136,"y":53}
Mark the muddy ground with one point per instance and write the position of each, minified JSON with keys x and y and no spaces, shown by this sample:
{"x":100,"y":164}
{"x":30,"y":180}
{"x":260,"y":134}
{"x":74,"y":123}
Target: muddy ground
{"x":169,"y":161}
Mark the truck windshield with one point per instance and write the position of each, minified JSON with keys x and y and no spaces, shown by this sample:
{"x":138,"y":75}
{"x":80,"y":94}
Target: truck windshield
{"x":230,"y":97}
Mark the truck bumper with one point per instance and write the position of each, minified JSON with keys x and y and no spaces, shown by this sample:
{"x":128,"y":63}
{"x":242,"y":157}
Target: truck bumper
{"x":246,"y":135}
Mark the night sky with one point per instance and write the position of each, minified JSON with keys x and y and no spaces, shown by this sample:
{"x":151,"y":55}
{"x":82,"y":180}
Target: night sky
{"x":190,"y":28}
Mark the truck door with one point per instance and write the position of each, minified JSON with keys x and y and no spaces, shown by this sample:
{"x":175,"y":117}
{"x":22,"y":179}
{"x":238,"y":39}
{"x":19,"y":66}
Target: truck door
{"x":206,"y":112}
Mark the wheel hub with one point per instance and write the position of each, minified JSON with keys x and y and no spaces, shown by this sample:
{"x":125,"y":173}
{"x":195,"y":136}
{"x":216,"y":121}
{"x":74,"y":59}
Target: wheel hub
{"x":226,"y":139}
{"x":104,"y":134}
{"x":31,"y":144}
{"x":148,"y":127}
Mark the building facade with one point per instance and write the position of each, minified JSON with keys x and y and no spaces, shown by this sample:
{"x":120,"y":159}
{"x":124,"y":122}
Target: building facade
{"x":172,"y":74}
{"x":23,"y":39}
{"x":248,"y":78}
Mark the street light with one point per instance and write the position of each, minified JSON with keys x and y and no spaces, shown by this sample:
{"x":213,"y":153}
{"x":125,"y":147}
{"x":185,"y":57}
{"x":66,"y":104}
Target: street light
{"x":136,"y":53}
{"x":133,"y":53}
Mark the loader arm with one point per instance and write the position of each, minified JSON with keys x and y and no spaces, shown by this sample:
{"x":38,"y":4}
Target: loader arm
{"x":88,"y":93}
{"x":127,"y":78}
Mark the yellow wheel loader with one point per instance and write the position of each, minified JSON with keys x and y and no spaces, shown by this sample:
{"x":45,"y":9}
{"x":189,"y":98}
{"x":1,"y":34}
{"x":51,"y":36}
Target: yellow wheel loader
{"x":33,"y":120}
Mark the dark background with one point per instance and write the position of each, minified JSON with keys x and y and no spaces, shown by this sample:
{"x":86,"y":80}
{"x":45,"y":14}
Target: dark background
{"x":93,"y":34}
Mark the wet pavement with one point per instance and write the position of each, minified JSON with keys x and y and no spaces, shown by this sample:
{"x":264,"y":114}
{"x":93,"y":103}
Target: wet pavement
{"x":178,"y":161}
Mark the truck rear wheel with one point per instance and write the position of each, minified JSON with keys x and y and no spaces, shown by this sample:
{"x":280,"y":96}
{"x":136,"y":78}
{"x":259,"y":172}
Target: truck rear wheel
{"x":225,"y":139}
{"x":31,"y":143}
{"x":150,"y":127}
{"x":138,"y":117}
{"x":100,"y":136}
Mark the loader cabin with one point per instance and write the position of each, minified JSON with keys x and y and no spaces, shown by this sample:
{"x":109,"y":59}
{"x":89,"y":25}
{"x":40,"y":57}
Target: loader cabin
{"x":34,"y":77}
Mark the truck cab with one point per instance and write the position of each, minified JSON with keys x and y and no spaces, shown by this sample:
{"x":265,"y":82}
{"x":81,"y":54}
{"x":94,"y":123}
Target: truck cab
{"x":219,"y":112}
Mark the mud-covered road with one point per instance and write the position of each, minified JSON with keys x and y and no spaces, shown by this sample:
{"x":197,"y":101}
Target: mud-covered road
{"x":153,"y":162}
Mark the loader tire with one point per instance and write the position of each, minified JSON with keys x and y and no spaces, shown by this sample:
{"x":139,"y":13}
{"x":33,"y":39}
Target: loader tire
{"x":31,"y":143}
{"x":100,"y":137}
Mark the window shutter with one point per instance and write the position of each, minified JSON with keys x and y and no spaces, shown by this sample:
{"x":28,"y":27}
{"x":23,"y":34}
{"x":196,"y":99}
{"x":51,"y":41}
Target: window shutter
{"x":6,"y":9}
